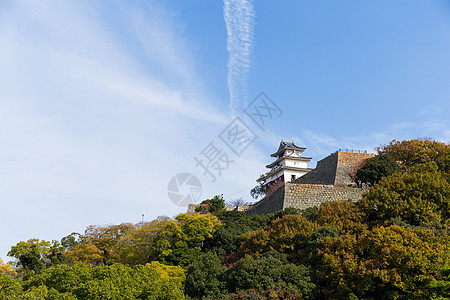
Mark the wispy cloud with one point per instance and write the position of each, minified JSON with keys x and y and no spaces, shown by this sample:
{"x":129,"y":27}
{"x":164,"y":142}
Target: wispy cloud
{"x":320,"y":145}
{"x":430,"y":111}
{"x":100,"y":106}
{"x":239,"y":18}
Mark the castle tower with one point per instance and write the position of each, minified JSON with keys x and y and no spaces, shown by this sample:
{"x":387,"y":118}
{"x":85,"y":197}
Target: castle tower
{"x":288,"y":165}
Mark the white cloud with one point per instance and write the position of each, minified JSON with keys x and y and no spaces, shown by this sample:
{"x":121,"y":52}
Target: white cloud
{"x":94,"y":123}
{"x":240,"y":21}
{"x":430,"y":111}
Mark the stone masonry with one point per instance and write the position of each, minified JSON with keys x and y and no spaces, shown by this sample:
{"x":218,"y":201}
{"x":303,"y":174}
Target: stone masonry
{"x":267,"y":205}
{"x":329,"y":181}
{"x":191,"y":208}
{"x":302,"y":196}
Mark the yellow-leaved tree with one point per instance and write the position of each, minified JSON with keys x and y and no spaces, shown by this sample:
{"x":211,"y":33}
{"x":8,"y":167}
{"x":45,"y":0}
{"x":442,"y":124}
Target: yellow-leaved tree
{"x":289,"y":234}
{"x":7,"y":269}
{"x":181,"y":240}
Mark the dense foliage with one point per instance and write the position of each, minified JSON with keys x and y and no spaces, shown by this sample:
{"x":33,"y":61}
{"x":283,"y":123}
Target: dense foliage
{"x":213,"y":205}
{"x":375,"y":168}
{"x":392,"y":244}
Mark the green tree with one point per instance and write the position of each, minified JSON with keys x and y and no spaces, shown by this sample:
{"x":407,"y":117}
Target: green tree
{"x":105,"y":282}
{"x":263,"y":294}
{"x":318,"y":239}
{"x":420,"y":197}
{"x":71,"y":240}
{"x":10,"y":288}
{"x":205,"y":277}
{"x":135,"y":246}
{"x":226,"y":239}
{"x":375,"y":168}
{"x":56,"y":253}
{"x":441,"y":289}
{"x":182,"y":240}
{"x":173,"y":274}
{"x":260,"y":189}
{"x":213,"y":205}
{"x":271,"y":270}
{"x":34,"y":255}
{"x":310,"y":213}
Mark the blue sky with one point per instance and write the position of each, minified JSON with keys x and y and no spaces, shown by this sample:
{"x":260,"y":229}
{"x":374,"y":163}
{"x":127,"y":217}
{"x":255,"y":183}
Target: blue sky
{"x":103,"y":102}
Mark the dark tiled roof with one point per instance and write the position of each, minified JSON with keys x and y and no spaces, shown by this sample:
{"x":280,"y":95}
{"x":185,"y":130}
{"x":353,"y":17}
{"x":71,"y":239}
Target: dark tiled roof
{"x":290,"y":145}
{"x":287,"y":145}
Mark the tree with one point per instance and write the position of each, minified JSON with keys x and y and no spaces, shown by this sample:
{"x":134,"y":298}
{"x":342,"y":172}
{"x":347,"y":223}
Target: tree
{"x":213,"y":205}
{"x":7,"y":269}
{"x":236,"y":202}
{"x":56,"y":253}
{"x":124,"y":243}
{"x":352,"y":172}
{"x":420,"y":197}
{"x":384,"y":263}
{"x":106,"y":282}
{"x":173,"y":274}
{"x":289,"y":234}
{"x":375,"y":168}
{"x":441,"y":288}
{"x":10,"y":288}
{"x":310,"y":213}
{"x":71,"y":240}
{"x":260,"y":189}
{"x":180,"y":241}
{"x":271,"y":270}
{"x":270,"y":293}
{"x":106,"y":239}
{"x":34,"y":255}
{"x":205,"y":277}
{"x":346,"y":216}
{"x":85,"y":253}
{"x":318,"y":239}
{"x":419,"y":151}
{"x":226,"y":239}
{"x":135,"y":246}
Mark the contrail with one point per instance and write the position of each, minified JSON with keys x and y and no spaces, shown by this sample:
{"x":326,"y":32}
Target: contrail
{"x":239,"y":18}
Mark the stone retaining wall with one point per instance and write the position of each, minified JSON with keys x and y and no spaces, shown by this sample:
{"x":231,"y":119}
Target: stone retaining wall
{"x":191,"y":208}
{"x":329,"y":181}
{"x":302,"y":196}
{"x":347,"y":163}
{"x":324,"y":173}
{"x":269,"y":204}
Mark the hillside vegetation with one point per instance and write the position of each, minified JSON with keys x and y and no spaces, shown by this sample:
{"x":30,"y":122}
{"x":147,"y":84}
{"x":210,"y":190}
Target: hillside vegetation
{"x":392,"y":244}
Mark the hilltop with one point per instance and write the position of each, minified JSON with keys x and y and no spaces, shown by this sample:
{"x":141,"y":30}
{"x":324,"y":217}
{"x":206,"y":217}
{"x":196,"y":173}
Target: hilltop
{"x":393,"y":243}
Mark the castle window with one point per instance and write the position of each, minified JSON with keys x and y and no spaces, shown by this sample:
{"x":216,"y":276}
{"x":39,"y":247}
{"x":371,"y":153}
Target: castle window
{"x":292,"y":177}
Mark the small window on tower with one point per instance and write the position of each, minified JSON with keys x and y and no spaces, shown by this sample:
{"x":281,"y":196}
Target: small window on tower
{"x":292,"y":177}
